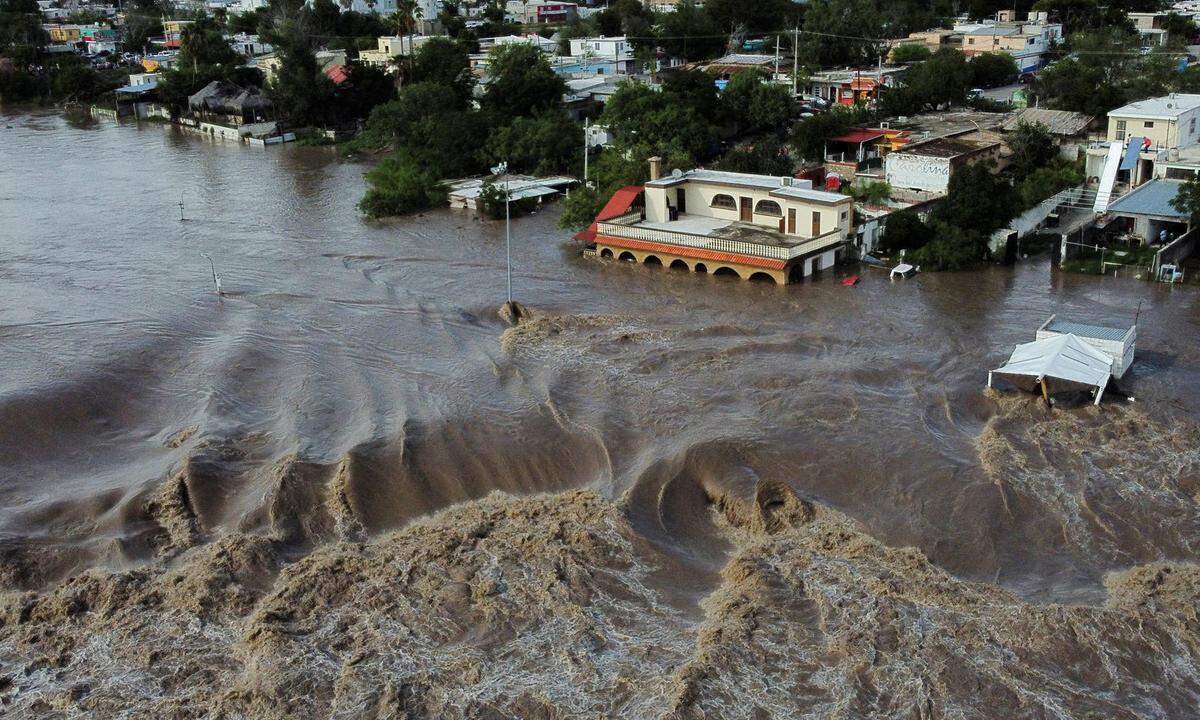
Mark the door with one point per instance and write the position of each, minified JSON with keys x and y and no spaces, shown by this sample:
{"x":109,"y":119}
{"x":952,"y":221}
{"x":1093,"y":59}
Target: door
{"x":747,"y":210}
{"x":816,"y":224}
{"x":681,"y":200}
{"x":791,"y":226}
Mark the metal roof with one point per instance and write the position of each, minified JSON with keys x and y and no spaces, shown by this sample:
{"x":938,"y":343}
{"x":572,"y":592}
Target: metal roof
{"x":1098,"y":332}
{"x":744,"y":59}
{"x":1058,"y":122}
{"x":1168,"y":106}
{"x":1152,"y":198}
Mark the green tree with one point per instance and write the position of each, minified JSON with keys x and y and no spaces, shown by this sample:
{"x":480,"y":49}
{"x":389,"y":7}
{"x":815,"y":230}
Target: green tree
{"x":831,"y":24}
{"x":903,"y":230}
{"x":547,"y":143}
{"x":764,"y":157}
{"x":759,"y":16}
{"x":20,"y":26}
{"x":365,"y":88}
{"x":1043,"y":182}
{"x":399,"y":186}
{"x":989,"y":70}
{"x":757,"y":105}
{"x":1082,"y":15}
{"x":580,"y":208}
{"x":522,"y":82}
{"x":690,"y":33}
{"x":1187,"y":199}
{"x":911,"y":53}
{"x":1032,"y":147}
{"x":977,"y":199}
{"x":810,"y":135}
{"x":300,"y":92}
{"x":444,"y":62}
{"x":74,"y":81}
{"x":952,"y":248}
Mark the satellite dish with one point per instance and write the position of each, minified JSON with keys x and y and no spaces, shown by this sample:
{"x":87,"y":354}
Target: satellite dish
{"x":676,"y":173}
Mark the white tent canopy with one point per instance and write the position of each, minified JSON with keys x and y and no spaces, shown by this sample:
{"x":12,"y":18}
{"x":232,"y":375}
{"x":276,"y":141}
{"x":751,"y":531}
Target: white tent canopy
{"x":1064,"y":359}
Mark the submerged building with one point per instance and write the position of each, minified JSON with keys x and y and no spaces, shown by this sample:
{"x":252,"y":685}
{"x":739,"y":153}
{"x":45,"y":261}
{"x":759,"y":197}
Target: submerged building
{"x":757,"y":227}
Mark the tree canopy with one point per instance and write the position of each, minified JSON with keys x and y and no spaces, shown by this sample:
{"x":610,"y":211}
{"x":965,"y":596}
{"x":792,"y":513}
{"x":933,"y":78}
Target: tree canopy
{"x":521,"y":82}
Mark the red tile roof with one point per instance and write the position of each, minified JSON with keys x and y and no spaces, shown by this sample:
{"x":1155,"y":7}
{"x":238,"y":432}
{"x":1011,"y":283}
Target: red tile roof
{"x":337,"y":74}
{"x":616,"y":206}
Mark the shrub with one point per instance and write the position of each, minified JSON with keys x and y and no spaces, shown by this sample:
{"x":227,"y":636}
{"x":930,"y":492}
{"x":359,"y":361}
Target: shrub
{"x":952,"y":248}
{"x":399,"y":186}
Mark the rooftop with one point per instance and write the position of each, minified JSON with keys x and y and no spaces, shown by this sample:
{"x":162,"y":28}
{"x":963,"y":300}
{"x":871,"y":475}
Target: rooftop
{"x":1058,"y":122}
{"x":949,"y":123}
{"x":945,"y":147}
{"x":1098,"y":332}
{"x":744,"y":59}
{"x":704,"y":226}
{"x":1152,"y":198}
{"x":1168,"y":106}
{"x":777,"y":185}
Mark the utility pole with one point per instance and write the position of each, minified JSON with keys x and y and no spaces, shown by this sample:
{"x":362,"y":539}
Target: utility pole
{"x":776,"y":58}
{"x":586,"y":122}
{"x":795,"y":61}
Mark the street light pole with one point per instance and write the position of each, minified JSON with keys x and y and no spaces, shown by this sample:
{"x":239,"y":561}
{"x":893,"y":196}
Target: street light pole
{"x":502,"y":169}
{"x":508,"y":236}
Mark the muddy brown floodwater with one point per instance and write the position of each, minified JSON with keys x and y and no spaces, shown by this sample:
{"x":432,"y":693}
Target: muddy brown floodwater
{"x":347,"y":490}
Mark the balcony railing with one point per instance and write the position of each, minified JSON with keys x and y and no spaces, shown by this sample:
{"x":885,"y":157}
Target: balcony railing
{"x":615,"y":228}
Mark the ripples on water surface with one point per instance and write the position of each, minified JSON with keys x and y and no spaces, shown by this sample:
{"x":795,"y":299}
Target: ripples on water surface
{"x":372,"y":355}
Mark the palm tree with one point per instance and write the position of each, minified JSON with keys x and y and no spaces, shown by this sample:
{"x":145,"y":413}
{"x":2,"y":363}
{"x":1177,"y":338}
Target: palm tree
{"x":408,"y":12}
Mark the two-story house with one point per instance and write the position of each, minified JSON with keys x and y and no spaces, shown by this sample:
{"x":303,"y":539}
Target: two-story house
{"x":756,"y":227}
{"x":1168,"y":128}
{"x":1027,"y":42}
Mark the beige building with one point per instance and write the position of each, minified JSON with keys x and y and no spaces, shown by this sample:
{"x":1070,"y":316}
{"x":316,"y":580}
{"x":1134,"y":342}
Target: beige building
{"x":752,"y":226}
{"x":1169,"y":131}
{"x":390,"y":47}
{"x":1167,"y":122}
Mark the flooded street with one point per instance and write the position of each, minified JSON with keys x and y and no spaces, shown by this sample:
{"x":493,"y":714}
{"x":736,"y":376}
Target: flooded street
{"x":355,"y":378}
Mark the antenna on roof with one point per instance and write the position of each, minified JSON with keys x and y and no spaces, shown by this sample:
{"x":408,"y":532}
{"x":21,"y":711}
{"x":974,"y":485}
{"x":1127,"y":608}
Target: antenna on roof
{"x":1137,"y":314}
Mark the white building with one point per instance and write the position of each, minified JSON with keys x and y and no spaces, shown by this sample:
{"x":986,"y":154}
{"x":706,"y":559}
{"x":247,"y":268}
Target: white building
{"x":249,"y":45}
{"x":927,"y":166}
{"x":756,"y":227}
{"x":1027,"y":42}
{"x":601,"y":47}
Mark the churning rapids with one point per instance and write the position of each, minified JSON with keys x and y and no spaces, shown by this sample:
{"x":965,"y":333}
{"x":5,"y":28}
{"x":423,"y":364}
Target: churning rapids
{"x":347,"y":489}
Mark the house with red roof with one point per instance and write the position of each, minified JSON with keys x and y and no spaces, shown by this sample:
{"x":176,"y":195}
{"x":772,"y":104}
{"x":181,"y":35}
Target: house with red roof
{"x":755,"y":227}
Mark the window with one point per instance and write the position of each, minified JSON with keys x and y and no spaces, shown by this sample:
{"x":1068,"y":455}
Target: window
{"x":725,"y":202}
{"x":1148,"y":124}
{"x":1192,"y":127}
{"x":1120,"y":130}
{"x":768,"y":207}
{"x":843,"y":214}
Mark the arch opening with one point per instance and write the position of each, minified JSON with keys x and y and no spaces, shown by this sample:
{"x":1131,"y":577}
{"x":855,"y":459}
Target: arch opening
{"x":678,"y":264}
{"x":652,"y":260}
{"x":725,"y":202}
{"x":726,"y":272}
{"x":606,"y":253}
{"x":768,"y":207}
{"x":701,"y":268}
{"x":762,"y":277}
{"x":627,"y":257}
